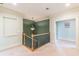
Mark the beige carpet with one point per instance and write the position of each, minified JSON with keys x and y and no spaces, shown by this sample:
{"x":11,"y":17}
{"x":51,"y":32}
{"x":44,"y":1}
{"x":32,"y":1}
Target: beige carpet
{"x":46,"y":50}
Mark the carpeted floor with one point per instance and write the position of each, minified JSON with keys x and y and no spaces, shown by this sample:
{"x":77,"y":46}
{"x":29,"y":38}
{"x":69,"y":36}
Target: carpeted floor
{"x":46,"y":50}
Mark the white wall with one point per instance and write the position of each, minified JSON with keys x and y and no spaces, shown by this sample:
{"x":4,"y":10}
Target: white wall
{"x":69,"y":14}
{"x":14,"y":40}
{"x":10,"y":41}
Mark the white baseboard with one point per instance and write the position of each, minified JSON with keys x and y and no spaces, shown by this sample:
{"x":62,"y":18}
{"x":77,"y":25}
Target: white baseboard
{"x":10,"y":46}
{"x":68,"y":40}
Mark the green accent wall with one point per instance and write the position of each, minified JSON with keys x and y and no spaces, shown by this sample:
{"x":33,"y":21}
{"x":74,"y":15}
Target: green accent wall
{"x":26,"y":26}
{"x":28,"y":42}
{"x":26,"y":29}
{"x":42,"y":26}
{"x":41,"y":40}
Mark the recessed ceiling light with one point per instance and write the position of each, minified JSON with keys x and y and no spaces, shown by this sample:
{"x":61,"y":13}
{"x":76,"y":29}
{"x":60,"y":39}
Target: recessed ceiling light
{"x":47,"y":8}
{"x":67,"y":4}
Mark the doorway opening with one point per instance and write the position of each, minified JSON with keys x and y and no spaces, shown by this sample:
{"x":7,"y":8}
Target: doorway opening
{"x":66,"y":34}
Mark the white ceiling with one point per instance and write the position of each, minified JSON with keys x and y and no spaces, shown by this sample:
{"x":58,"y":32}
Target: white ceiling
{"x":38,"y":10}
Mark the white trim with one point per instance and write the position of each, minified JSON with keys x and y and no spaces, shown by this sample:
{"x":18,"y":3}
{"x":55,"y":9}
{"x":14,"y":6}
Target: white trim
{"x":64,"y":20}
{"x":41,"y":34}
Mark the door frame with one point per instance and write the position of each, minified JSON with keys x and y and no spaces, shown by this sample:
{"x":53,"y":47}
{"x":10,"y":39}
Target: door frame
{"x":76,"y":28}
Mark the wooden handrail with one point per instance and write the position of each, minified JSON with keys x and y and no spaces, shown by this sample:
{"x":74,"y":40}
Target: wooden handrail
{"x":27,"y":35}
{"x":35,"y":35}
{"x":33,"y":38}
{"x":41,"y":34}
